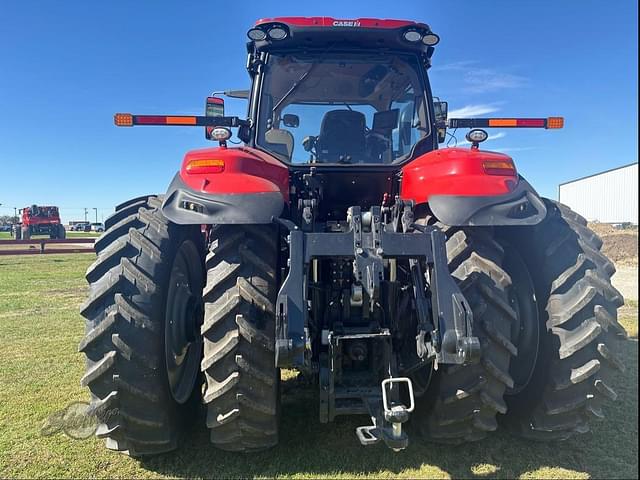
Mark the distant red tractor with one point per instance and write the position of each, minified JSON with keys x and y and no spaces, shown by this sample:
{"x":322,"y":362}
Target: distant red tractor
{"x":407,"y":282}
{"x":39,"y":220}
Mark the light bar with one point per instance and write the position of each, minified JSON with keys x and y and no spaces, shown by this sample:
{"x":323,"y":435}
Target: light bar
{"x":129,"y":120}
{"x":548,"y":123}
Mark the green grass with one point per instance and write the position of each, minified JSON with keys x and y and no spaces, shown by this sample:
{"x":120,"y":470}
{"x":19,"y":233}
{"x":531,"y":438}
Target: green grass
{"x":7,"y":235}
{"x":40,"y":370}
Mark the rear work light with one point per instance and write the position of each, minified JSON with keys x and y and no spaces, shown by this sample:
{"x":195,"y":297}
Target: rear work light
{"x":413,"y":35}
{"x":499,"y":167}
{"x":256,"y":34}
{"x":272,"y":31}
{"x":277,"y":33}
{"x":208,"y":165}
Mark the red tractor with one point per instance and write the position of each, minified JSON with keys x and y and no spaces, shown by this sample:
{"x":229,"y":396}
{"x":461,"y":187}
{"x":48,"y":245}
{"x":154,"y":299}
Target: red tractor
{"x":39,"y":220}
{"x":409,"y":283}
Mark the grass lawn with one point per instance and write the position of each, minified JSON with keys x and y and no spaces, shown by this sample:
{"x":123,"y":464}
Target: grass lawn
{"x":40,"y":328}
{"x":7,"y":235}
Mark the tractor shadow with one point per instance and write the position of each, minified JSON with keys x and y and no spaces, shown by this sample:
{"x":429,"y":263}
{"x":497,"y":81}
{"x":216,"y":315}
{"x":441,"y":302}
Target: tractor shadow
{"x":308,"y":448}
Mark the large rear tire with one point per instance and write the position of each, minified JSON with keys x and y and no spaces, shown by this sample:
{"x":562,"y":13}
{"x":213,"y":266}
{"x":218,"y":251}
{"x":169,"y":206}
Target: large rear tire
{"x":142,"y":320}
{"x":577,"y":309}
{"x":462,"y":402}
{"x":242,"y":393}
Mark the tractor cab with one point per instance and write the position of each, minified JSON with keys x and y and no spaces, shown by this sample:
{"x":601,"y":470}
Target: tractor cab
{"x":334,"y":92}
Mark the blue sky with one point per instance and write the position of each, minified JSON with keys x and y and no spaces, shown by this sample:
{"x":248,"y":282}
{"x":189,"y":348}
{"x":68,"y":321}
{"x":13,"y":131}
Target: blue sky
{"x":66,"y":67}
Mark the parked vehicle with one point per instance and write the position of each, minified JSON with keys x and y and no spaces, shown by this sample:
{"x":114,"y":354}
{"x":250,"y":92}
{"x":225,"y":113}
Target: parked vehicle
{"x":407,"y":282}
{"x":81,"y":227}
{"x":40,"y":220}
{"x":5,"y":228}
{"x":97,"y":227}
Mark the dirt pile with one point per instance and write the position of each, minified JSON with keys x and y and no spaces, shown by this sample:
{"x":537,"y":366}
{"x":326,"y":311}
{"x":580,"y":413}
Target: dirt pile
{"x":619,"y":244}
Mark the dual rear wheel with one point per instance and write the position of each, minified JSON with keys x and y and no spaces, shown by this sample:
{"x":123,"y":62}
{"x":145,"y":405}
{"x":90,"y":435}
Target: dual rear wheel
{"x":545,"y":312}
{"x":153,"y":341}
{"x":169,"y":328}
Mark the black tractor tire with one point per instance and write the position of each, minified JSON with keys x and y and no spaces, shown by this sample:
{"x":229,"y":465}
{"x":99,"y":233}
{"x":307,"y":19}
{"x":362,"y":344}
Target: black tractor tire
{"x":25,"y":233}
{"x":242,"y":382}
{"x":128,"y":322}
{"x":62,"y":233}
{"x":17,"y":231}
{"x":578,"y":313}
{"x":462,"y":402}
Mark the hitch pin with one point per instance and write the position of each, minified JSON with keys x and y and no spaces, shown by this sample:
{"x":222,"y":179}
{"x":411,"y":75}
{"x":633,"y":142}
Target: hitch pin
{"x":400,"y":413}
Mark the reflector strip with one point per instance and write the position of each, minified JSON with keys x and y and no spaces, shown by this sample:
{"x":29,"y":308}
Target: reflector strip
{"x":149,"y":120}
{"x":530,"y":122}
{"x":181,"y":121}
{"x":503,"y":122}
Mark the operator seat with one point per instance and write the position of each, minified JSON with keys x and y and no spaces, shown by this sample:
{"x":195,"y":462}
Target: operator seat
{"x":342,"y":135}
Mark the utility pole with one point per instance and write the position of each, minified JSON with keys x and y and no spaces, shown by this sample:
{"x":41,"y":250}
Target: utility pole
{"x":96,"y":214}
{"x":85,"y":214}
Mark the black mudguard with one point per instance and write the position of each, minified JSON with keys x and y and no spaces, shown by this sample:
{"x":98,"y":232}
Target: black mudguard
{"x":184,"y":206}
{"x":522,"y":206}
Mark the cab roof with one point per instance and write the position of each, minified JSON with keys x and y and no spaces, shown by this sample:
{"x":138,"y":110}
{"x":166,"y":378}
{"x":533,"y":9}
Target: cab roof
{"x":285,"y":33}
{"x":336,"y":22}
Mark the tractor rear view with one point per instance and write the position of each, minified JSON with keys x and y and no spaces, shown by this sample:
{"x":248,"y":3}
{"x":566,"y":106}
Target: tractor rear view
{"x":410,"y":284}
{"x":39,"y":220}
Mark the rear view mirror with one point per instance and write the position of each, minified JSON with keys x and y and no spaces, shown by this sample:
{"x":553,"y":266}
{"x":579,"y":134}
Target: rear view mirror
{"x":290,"y":120}
{"x":214,"y":107}
{"x":441,"y":110}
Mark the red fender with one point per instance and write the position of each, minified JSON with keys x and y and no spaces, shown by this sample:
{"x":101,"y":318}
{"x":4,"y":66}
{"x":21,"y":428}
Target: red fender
{"x":455,"y":171}
{"x":227,"y":186}
{"x":471,"y":187}
{"x":246,"y":170}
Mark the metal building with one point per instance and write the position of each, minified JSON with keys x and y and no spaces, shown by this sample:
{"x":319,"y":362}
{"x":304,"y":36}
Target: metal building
{"x":607,"y":197}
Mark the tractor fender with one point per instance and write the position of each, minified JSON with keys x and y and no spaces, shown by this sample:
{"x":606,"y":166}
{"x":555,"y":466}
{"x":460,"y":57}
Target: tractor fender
{"x":250,"y":188}
{"x":460,"y":191}
{"x":521,"y":206}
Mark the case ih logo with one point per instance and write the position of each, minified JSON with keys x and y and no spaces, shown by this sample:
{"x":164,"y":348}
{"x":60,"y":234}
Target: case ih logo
{"x":346,"y":23}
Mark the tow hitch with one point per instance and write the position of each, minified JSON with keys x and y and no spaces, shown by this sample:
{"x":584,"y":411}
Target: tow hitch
{"x":387,"y":424}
